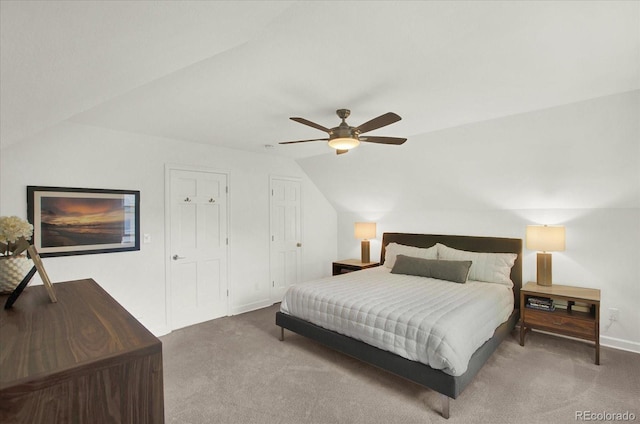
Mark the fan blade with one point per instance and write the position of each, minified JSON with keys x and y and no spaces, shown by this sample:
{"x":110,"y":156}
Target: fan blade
{"x":304,"y":141}
{"x":383,"y":140}
{"x":311,"y":124}
{"x":341,"y":151}
{"x":379,"y":122}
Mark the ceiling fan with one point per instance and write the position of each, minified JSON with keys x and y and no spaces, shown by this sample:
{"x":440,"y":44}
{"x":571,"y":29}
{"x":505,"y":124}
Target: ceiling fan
{"x":345,"y":137}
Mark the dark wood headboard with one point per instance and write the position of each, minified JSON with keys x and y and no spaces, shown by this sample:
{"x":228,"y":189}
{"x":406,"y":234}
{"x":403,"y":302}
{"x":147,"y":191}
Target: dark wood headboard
{"x":470,"y":243}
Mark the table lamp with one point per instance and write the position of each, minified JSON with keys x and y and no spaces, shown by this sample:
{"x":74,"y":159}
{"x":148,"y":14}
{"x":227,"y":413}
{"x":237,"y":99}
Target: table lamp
{"x":545,"y":239}
{"x":365,"y":231}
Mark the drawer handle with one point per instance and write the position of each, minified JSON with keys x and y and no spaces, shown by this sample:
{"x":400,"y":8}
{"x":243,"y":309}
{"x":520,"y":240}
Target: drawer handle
{"x":557,"y":322}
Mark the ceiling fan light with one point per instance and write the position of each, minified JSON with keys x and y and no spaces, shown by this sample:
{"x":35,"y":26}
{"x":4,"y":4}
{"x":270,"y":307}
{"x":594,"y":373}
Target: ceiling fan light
{"x":344,"y":143}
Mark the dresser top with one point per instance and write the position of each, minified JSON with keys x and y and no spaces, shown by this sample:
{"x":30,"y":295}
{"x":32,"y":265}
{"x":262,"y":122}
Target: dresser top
{"x":86,"y":326}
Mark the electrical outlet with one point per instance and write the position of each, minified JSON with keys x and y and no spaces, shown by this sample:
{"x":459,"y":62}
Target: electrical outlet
{"x":614,"y":314}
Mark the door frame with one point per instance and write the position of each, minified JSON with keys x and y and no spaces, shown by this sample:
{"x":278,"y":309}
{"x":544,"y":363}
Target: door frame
{"x":168,"y":167}
{"x":297,"y":180}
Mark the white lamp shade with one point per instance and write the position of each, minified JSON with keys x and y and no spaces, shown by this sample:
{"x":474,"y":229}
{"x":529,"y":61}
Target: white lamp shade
{"x":544,"y":238}
{"x":365,"y":230}
{"x":344,"y":143}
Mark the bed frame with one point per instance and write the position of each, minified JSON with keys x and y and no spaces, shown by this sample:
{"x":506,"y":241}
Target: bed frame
{"x":447,"y":385}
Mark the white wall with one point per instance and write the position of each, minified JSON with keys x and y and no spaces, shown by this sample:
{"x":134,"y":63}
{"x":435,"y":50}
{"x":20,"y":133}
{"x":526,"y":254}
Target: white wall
{"x":577,"y":165}
{"x":72,"y":155}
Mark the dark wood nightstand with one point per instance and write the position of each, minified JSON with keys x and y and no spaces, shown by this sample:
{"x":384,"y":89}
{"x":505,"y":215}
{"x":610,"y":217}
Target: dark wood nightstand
{"x":350,"y":265}
{"x":568,"y":322}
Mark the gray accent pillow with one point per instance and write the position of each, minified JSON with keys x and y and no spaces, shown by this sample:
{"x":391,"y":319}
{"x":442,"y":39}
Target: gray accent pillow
{"x":455,"y":271}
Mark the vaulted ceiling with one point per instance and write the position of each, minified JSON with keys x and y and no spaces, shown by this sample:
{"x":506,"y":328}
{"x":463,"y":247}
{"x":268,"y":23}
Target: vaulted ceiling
{"x":232,"y":73}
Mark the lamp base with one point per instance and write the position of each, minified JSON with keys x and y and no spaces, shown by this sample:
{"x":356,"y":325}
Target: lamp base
{"x":364,"y":252}
{"x":544,"y":269}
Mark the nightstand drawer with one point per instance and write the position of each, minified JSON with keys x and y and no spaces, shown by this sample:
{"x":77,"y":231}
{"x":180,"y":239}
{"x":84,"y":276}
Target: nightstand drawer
{"x":568,"y":324}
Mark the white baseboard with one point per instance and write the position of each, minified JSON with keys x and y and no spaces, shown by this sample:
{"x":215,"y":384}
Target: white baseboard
{"x":235,"y":310}
{"x":241,"y":309}
{"x":620,"y":344}
{"x":160,"y":331}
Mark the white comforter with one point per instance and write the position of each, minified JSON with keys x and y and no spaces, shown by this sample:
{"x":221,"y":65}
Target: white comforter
{"x":438,"y":323}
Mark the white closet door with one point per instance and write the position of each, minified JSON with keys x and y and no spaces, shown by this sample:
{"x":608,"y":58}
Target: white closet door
{"x":198,"y":247}
{"x":286,"y":240}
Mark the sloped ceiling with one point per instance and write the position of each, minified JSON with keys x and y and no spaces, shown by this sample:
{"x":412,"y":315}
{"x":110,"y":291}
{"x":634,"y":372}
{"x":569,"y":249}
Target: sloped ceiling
{"x":585,"y":155}
{"x":232,"y":73}
{"x":62,"y":58}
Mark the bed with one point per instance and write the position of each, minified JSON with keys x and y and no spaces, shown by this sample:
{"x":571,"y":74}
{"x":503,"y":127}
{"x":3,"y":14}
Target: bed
{"x":450,"y":377}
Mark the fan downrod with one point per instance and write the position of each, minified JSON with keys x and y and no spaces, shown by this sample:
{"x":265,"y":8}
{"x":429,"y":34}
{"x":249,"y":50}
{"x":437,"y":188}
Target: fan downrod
{"x":343,"y":113}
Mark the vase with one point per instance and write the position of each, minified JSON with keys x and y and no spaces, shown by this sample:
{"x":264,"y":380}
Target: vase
{"x":12,"y":271}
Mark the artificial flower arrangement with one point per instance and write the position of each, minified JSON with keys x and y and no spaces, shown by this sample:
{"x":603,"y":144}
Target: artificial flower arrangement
{"x":14,"y":265}
{"x":14,"y":233}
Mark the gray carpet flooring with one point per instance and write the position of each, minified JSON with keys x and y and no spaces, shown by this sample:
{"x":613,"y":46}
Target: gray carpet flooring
{"x":235,"y":370}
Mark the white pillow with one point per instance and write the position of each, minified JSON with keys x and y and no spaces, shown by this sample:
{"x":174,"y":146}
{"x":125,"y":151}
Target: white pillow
{"x":489,"y":267}
{"x":394,"y":249}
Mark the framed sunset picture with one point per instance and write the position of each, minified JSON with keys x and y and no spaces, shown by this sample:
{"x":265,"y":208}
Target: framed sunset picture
{"x":79,"y":221}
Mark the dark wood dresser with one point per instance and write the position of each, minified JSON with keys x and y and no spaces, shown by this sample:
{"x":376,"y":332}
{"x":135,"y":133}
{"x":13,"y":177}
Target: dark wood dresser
{"x":84,"y":359}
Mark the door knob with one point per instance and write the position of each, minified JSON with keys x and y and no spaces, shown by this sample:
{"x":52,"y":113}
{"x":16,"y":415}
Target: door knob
{"x":176,"y":257}
{"x":298,"y":244}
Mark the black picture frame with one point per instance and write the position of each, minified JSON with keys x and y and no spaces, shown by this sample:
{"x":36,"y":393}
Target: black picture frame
{"x":81,"y":221}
